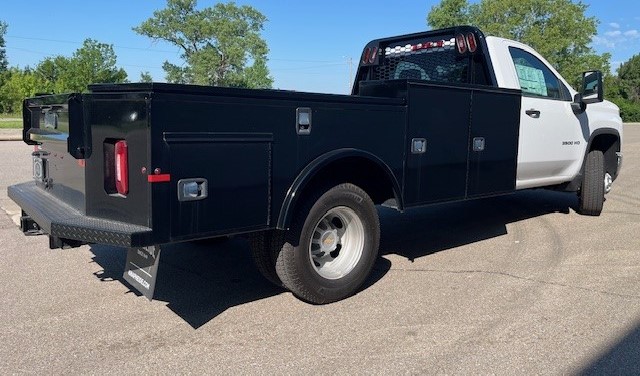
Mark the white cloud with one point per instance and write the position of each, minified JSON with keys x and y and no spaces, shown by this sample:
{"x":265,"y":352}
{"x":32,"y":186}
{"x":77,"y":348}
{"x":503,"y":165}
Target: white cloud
{"x":613,"y":38}
{"x":614,"y":25}
{"x":604,"y":42}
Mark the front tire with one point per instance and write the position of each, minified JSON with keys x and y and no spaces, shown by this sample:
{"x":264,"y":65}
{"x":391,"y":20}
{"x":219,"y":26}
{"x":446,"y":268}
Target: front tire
{"x":332,"y":246}
{"x":591,"y":198}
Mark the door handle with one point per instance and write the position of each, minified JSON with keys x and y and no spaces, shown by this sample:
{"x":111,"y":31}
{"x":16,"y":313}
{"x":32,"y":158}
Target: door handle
{"x":533,"y":113}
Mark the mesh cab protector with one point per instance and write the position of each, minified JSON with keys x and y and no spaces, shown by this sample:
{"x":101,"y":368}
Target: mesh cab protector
{"x":432,"y":56}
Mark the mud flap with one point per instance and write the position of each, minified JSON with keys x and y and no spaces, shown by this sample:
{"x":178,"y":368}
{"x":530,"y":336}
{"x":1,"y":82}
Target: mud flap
{"x":141,"y":269}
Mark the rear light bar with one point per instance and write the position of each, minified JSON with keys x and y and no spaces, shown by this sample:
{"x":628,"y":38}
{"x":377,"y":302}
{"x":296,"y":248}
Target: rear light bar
{"x":122,"y":167}
{"x":433,"y":46}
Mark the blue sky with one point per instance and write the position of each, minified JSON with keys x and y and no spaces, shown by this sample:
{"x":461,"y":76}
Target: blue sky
{"x":311,"y":42}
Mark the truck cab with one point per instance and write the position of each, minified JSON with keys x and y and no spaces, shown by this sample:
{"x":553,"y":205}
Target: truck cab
{"x":554,"y":137}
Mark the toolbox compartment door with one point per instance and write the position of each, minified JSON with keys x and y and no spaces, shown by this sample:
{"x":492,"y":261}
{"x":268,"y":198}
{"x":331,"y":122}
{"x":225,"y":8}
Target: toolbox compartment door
{"x":469,"y":135}
{"x":236,"y":169}
{"x":495,"y":124}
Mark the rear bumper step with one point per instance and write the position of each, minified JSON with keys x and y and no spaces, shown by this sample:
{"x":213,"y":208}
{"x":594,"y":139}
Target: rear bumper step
{"x":60,"y":220}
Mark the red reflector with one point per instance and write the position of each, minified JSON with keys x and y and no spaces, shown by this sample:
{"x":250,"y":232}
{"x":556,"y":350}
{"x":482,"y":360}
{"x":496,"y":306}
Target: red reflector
{"x":471,"y":42}
{"x":365,"y":57}
{"x":122,"y":167}
{"x":462,"y":46}
{"x":161,"y":178}
{"x":374,"y":54}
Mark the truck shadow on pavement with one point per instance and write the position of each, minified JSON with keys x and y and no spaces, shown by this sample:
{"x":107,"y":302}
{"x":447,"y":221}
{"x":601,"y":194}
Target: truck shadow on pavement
{"x":201,"y":280}
{"x":422,"y":232}
{"x":623,"y":358}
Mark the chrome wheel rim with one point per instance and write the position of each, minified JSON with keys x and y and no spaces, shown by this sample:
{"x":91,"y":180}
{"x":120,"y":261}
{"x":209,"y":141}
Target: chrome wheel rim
{"x":608,"y":182}
{"x":337,"y":243}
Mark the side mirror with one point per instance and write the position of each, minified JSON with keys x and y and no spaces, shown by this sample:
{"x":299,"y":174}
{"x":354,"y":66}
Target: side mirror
{"x":591,"y":91}
{"x":592,"y":87}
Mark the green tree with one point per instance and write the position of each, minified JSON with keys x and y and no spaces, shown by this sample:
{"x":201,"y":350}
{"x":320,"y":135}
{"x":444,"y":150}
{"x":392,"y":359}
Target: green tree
{"x":624,"y":90}
{"x":4,"y":74}
{"x":220,"y":45}
{"x":92,"y":63}
{"x":19,"y":85}
{"x":558,"y":29}
{"x":51,"y":71}
{"x":145,"y":77}
{"x":3,"y":53}
{"x":449,"y":13}
{"x":630,"y":70}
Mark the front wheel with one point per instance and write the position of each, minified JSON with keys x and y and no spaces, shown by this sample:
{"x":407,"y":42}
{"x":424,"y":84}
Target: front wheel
{"x":332,"y":246}
{"x":591,"y":198}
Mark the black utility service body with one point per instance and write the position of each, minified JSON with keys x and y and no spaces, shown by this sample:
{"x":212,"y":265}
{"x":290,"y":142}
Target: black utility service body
{"x":203,"y":162}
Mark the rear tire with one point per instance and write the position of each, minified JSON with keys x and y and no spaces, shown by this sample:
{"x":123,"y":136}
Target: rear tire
{"x":265,"y":247}
{"x":332,"y":245}
{"x":591,"y":196}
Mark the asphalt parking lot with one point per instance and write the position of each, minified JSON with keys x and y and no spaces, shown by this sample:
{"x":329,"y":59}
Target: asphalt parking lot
{"x":519,"y":284}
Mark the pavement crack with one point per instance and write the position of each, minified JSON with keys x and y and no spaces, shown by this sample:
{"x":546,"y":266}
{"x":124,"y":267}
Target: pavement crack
{"x":533,"y":280}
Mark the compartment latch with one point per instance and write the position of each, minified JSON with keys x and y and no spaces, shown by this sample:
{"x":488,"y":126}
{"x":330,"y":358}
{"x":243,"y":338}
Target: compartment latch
{"x":192,"y":189}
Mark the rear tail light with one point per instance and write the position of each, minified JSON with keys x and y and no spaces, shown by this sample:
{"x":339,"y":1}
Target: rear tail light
{"x":366,"y":56}
{"x":471,"y":42}
{"x":122,"y":167}
{"x":460,"y":43}
{"x":374,"y":54}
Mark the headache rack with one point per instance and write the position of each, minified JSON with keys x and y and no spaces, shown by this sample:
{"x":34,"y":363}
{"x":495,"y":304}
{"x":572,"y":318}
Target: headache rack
{"x":455,"y":55}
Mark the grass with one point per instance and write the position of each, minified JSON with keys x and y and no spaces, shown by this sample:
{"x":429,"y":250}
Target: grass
{"x":10,"y":121}
{"x":11,"y":124}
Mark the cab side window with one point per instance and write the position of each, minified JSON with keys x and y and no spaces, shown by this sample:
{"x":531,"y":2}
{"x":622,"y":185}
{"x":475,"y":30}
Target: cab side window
{"x":536,"y":79}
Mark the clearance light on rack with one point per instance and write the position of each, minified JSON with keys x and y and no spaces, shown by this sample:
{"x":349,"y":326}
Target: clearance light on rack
{"x":374,"y":55}
{"x":366,"y":55}
{"x":370,"y":55}
{"x":471,"y":43}
{"x":461,"y":44}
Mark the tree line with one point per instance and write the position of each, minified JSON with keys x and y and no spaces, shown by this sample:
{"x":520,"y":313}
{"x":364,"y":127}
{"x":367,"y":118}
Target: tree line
{"x":222,"y":45}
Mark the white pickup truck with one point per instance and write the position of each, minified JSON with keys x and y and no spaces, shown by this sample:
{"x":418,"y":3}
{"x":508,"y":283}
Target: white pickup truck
{"x":439,"y":116}
{"x":561,"y":138}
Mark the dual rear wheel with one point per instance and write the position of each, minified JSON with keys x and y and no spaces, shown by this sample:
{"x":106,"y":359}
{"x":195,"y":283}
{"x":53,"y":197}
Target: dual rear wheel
{"x":330,"y":249}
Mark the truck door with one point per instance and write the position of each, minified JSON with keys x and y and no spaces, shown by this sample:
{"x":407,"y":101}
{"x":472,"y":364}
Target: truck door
{"x":551,"y":138}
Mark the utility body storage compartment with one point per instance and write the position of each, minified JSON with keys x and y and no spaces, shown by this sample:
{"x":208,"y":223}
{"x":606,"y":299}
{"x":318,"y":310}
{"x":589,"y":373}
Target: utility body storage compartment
{"x":238,"y":153}
{"x":141,"y":165}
